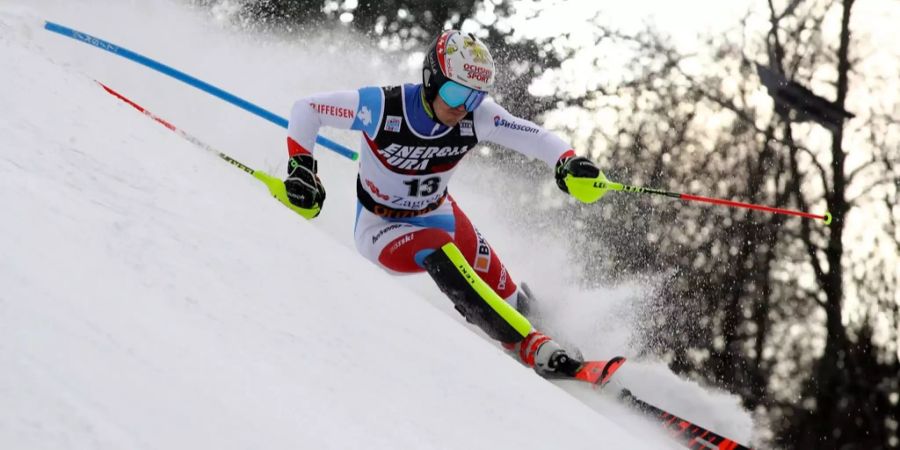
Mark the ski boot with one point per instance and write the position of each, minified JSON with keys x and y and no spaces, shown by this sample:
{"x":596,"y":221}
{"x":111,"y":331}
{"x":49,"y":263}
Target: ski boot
{"x":525,"y":304}
{"x":547,"y":357}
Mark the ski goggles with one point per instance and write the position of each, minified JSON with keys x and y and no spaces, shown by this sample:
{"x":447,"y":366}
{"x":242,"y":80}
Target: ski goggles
{"x":455,"y":94}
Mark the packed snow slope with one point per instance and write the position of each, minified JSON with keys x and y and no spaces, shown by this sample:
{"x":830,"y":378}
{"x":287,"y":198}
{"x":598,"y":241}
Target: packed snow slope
{"x":155,"y":297}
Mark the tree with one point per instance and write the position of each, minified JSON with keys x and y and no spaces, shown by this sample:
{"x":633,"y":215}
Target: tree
{"x":851,"y":388}
{"x":759,"y":303}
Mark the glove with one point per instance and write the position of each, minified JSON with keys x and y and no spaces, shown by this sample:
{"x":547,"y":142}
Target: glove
{"x":577,"y":176}
{"x":304,"y":189}
{"x":578,"y":167}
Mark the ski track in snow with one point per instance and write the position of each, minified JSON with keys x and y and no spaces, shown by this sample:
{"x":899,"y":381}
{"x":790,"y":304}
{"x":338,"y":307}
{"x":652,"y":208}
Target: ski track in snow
{"x":155,"y":297}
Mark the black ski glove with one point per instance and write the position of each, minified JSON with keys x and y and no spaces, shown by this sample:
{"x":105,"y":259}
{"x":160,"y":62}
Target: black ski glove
{"x":304,"y":189}
{"x":577,"y":166}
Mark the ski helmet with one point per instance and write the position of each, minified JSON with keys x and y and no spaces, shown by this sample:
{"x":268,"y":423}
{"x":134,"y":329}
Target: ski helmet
{"x":459,"y":57}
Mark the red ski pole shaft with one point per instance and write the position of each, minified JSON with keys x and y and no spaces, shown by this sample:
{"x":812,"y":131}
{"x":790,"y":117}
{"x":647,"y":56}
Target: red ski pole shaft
{"x":825,"y":218}
{"x":178,"y":131}
{"x":275,"y":185}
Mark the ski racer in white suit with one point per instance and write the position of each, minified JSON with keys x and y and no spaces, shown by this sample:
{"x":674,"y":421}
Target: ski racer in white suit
{"x":413,"y":136}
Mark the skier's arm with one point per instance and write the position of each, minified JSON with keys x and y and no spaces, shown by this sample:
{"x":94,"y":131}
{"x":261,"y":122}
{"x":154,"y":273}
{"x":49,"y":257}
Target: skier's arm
{"x":348,"y":110}
{"x":495,"y":124}
{"x":353,"y":110}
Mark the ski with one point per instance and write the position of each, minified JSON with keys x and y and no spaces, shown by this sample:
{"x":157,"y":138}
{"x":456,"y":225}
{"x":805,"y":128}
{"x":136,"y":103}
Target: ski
{"x":687,"y":433}
{"x":595,"y":373}
{"x":598,"y":373}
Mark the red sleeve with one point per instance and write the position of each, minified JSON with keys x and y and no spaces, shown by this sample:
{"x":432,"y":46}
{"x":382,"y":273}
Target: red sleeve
{"x":295,"y":149}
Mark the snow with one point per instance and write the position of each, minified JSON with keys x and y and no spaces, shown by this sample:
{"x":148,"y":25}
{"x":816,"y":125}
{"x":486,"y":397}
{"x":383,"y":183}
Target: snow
{"x":155,"y":297}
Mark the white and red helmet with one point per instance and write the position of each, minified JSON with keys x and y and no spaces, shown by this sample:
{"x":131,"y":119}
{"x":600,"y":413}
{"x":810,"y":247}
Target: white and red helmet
{"x":459,"y":57}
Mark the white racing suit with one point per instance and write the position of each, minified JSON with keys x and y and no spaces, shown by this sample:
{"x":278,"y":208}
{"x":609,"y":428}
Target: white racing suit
{"x":404,"y":211}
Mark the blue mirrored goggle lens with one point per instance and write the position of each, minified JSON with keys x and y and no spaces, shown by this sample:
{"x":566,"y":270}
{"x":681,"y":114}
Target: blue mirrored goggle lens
{"x":475,"y":99}
{"x":455,"y":94}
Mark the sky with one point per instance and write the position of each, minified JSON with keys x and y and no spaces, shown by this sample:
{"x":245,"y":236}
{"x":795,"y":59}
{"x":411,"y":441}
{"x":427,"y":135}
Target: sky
{"x":687,"y":20}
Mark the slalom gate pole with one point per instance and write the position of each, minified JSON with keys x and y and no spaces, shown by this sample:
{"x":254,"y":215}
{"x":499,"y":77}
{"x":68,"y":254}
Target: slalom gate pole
{"x":275,"y":185}
{"x":602,"y":185}
{"x":199,"y":84}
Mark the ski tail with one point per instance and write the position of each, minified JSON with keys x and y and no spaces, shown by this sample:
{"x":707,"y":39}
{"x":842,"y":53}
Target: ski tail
{"x":689,"y":434}
{"x":599,"y":373}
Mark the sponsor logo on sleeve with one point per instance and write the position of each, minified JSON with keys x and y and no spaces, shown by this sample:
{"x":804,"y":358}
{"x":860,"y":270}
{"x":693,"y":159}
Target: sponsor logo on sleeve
{"x":392,"y":124}
{"x":465,"y":128}
{"x":334,"y":111}
{"x":501,"y":122}
{"x":365,"y":115}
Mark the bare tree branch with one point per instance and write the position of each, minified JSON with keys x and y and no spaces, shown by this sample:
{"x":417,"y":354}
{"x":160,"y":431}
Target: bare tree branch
{"x":823,"y":174}
{"x":853,"y":173}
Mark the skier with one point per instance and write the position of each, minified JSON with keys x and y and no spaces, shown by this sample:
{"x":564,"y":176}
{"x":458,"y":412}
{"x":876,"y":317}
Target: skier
{"x":413,"y":136}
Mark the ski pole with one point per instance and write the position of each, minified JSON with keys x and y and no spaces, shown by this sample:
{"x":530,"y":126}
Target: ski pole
{"x":199,"y":84}
{"x":600,"y":185}
{"x":275,"y":185}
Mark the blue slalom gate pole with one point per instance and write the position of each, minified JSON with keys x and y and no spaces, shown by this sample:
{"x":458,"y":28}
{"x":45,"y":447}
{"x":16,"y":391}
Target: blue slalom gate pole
{"x":197,"y":83}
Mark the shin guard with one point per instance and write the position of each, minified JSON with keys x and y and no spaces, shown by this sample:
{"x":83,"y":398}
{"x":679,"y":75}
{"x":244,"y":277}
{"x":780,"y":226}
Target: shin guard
{"x":473,"y":298}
